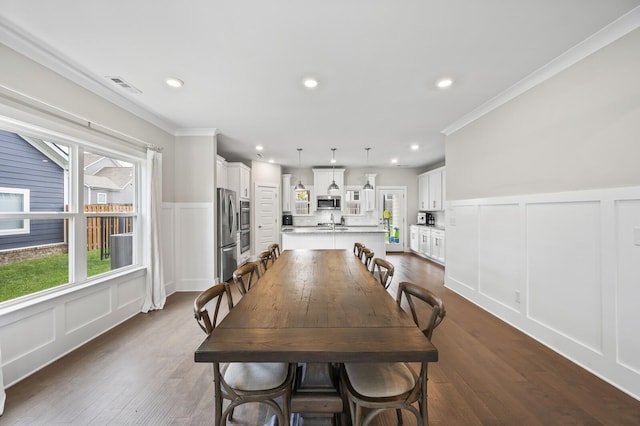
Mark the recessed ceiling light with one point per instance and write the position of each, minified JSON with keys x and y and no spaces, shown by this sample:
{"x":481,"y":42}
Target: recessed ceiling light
{"x":415,"y":147}
{"x":259,"y":147}
{"x":394,"y":160}
{"x":271,"y":160}
{"x":443,"y":83}
{"x":174,"y":82}
{"x":310,"y":83}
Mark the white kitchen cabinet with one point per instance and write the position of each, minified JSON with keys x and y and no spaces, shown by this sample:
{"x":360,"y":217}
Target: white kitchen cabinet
{"x":435,"y":190}
{"x":322,"y":178}
{"x":431,"y":190}
{"x":286,"y":193}
{"x":437,"y":245}
{"x":414,"y":241}
{"x":238,"y":179}
{"x":221,"y":172}
{"x":423,"y":191}
{"x":425,"y":241}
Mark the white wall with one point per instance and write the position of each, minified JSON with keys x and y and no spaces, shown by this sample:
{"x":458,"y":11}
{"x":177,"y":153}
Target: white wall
{"x":577,"y":130}
{"x":194,"y":212}
{"x":545,"y":207}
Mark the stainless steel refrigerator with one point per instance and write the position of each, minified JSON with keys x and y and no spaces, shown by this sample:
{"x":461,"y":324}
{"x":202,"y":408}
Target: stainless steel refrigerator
{"x":226,"y":234}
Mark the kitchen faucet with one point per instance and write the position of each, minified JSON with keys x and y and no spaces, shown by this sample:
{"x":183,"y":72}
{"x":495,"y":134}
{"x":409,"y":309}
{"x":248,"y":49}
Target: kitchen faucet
{"x":333,"y":222}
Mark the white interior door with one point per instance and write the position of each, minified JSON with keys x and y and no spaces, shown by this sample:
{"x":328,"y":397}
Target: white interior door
{"x":266,"y":217}
{"x":392,"y":209}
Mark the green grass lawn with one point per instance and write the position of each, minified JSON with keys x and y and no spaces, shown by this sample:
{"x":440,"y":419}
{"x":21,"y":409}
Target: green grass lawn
{"x":26,"y":277}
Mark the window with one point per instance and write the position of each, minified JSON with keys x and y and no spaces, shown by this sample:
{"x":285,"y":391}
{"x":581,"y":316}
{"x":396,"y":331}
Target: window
{"x":14,"y":200}
{"x":101,"y":198}
{"x":49,"y":239}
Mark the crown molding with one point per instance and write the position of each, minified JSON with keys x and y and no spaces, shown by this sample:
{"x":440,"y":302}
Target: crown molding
{"x":607,"y":35}
{"x":196,"y":132}
{"x":45,"y":55}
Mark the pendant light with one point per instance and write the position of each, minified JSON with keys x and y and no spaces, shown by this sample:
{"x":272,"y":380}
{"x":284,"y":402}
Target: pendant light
{"x":334,"y":186}
{"x":367,"y":186}
{"x":299,"y":186}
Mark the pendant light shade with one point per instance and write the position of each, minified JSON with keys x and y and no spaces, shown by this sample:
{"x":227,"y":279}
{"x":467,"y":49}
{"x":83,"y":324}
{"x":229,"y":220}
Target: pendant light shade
{"x":334,"y":186}
{"x":299,"y":186}
{"x":367,"y":186}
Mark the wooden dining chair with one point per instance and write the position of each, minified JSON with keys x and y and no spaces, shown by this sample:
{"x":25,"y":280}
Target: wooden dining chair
{"x":367,"y":256}
{"x":394,"y":386}
{"x":357,"y":249}
{"x":383,"y":270}
{"x":265,"y":257}
{"x":275,"y":251}
{"x":246,"y":275}
{"x":242,"y":382}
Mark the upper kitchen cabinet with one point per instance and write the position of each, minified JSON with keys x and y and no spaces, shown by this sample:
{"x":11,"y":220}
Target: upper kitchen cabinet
{"x":221,"y":173}
{"x":286,"y":192}
{"x":322,"y":178}
{"x":239,"y":180}
{"x":431,"y":190}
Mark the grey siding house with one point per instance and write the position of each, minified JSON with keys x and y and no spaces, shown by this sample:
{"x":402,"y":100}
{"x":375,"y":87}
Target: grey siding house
{"x":31,"y":181}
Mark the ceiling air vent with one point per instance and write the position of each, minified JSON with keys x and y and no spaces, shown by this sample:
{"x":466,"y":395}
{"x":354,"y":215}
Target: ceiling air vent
{"x":122,"y":83}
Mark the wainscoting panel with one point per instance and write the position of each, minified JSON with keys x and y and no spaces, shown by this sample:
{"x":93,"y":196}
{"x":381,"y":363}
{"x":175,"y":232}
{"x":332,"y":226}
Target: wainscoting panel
{"x":563,"y":267}
{"x":41,"y":326}
{"x":572,"y":259}
{"x":628,"y":288}
{"x":462,"y":233}
{"x":194,"y":239}
{"x":86,"y":309}
{"x":499,"y":252}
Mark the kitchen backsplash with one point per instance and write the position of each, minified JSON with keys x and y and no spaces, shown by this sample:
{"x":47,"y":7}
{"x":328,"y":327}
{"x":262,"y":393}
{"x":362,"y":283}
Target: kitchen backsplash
{"x":324,"y":216}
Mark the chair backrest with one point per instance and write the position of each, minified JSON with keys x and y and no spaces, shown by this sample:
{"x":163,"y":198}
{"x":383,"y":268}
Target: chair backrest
{"x":414,"y":292}
{"x":206,"y":321}
{"x":357,"y":249}
{"x":367,"y":254}
{"x":383,"y":270}
{"x":245,"y":275}
{"x":275,"y":251}
{"x":264,"y":257}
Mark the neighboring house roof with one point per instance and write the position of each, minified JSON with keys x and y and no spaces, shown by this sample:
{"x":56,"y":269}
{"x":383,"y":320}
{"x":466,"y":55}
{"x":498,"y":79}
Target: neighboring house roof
{"x":121,"y":176}
{"x":50,"y":150}
{"x":100,"y":182}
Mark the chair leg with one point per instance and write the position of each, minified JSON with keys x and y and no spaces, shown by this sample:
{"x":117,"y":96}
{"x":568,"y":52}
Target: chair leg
{"x":399,"y":415}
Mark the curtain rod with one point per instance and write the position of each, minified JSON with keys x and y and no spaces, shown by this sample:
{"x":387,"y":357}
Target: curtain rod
{"x":61,"y":114}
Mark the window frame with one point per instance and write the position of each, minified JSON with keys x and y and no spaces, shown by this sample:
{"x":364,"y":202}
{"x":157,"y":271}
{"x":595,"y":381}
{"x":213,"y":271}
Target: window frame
{"x":75,"y":216}
{"x":26,"y":223}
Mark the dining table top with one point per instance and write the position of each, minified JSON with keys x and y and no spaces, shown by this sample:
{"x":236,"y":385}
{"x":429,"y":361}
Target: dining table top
{"x":317,"y":306}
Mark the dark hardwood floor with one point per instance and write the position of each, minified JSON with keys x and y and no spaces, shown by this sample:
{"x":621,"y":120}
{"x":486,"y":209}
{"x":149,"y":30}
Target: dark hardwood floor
{"x":489,"y":373}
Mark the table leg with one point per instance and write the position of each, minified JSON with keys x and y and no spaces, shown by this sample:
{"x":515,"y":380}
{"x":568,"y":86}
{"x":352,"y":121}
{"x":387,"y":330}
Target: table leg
{"x":316,"y":400}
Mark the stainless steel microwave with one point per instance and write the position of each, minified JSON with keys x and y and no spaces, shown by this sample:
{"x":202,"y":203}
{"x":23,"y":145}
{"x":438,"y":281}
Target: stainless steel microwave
{"x":328,"y":202}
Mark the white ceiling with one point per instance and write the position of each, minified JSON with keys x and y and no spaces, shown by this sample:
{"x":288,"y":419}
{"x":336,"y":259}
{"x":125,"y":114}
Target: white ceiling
{"x":243,"y":62}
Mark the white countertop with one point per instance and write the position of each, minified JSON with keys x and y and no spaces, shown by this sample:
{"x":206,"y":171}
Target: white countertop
{"x":437,"y":228}
{"x":328,"y":229}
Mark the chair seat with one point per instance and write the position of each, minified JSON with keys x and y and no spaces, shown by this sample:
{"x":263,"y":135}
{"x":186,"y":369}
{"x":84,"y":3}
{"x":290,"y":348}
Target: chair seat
{"x":380,"y":380}
{"x":254,"y":376}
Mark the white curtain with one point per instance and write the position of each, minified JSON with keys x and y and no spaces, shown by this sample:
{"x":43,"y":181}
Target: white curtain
{"x":2,"y":394}
{"x":155,"y":294}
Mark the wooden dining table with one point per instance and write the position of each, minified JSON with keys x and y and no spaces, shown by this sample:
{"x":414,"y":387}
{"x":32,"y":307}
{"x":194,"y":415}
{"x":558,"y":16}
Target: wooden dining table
{"x":317,"y":308}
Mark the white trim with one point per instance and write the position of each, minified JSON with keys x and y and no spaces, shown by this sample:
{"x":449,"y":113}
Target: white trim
{"x":607,"y":35}
{"x":26,"y":200}
{"x":196,"y":132}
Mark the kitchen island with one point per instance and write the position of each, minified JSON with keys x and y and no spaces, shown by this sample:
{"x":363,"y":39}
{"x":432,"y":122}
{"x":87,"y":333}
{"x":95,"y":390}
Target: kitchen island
{"x":333,"y":237}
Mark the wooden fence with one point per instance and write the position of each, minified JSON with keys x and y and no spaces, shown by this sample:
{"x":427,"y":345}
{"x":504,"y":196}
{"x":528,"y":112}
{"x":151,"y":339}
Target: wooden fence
{"x":100,"y":229}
